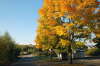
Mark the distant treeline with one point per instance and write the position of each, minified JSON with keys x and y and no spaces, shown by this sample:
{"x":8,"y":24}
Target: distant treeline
{"x":25,"y":49}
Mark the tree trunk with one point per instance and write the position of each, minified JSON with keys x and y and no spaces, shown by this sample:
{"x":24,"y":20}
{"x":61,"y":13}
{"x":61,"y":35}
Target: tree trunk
{"x":71,"y":59}
{"x":70,"y":55}
{"x":64,"y":56}
{"x":59,"y":56}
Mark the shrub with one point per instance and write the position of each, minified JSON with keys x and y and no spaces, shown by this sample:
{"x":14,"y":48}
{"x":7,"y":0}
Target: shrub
{"x":93,"y":52}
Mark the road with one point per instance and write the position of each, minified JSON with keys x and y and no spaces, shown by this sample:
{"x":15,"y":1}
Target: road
{"x":28,"y":60}
{"x":91,"y":61}
{"x":25,"y":60}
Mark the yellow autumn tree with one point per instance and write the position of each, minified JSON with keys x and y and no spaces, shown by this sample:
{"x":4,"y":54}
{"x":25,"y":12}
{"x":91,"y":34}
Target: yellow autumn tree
{"x":66,"y":21}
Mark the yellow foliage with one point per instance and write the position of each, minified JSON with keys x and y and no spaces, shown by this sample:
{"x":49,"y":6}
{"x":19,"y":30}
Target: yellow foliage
{"x":42,"y":11}
{"x":60,"y":30}
{"x":84,"y":21}
{"x":68,"y":26}
{"x":57,"y":8}
{"x":65,"y":42}
{"x":61,"y":14}
{"x":80,"y":44}
{"x":71,"y":17}
{"x":72,"y":9}
{"x":63,"y":9}
{"x":45,"y":47}
{"x":48,"y":1}
{"x":38,"y":46}
{"x":49,"y":14}
{"x":46,"y":32}
{"x":50,"y":8}
{"x":52,"y":23}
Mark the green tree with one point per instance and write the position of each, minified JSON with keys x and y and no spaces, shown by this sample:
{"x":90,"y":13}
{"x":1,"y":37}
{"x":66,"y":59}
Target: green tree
{"x":7,"y":48}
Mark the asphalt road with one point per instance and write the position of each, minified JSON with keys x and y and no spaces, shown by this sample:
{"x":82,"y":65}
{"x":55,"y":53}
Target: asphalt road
{"x":25,"y":60}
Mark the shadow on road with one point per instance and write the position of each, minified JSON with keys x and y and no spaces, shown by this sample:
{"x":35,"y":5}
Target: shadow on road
{"x":91,"y":58}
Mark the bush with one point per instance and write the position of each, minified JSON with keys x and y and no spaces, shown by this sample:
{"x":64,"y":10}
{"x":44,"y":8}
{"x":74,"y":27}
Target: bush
{"x":93,"y":52}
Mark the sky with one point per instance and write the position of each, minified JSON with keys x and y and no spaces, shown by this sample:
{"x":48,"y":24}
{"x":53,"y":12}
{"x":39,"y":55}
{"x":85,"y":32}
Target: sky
{"x":19,"y":18}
